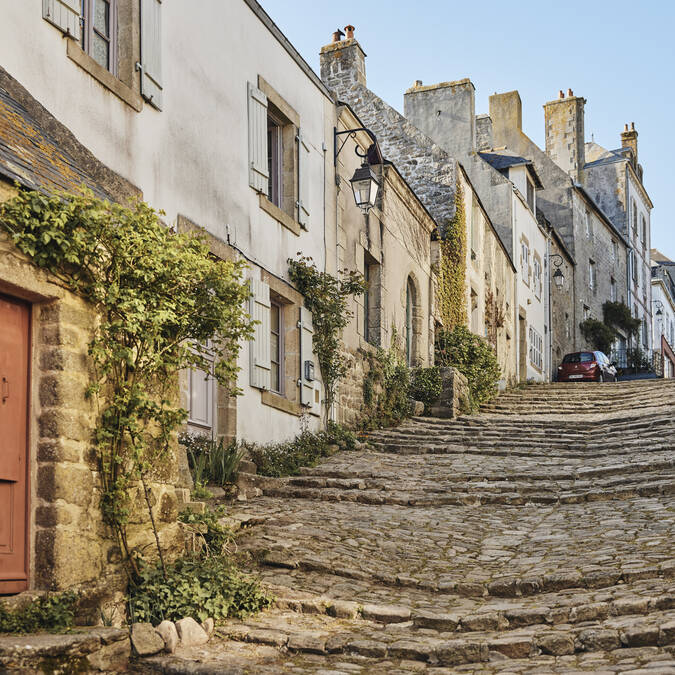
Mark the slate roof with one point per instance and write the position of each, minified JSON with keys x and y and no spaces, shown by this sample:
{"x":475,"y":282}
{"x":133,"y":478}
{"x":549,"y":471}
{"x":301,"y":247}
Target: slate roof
{"x":29,"y":155}
{"x":610,"y":156}
{"x":504,"y":159}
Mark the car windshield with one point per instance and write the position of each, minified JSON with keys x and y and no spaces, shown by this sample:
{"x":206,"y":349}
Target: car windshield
{"x":580,"y":357}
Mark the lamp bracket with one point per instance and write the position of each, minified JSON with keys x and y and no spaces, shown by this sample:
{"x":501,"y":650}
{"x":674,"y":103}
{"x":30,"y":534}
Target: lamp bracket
{"x":350,"y":133}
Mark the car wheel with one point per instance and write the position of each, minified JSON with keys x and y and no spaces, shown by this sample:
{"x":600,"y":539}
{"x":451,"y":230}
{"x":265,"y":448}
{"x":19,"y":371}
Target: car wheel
{"x":601,"y":377}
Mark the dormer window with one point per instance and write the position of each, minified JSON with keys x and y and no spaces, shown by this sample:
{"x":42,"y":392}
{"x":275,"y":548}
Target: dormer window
{"x":530,"y":194}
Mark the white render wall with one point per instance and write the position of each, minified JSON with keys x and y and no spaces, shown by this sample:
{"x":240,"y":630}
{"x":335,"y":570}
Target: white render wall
{"x":191,"y":157}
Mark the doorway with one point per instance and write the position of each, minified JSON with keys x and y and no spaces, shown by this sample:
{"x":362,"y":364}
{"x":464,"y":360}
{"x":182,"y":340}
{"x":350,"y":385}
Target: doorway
{"x":522,"y":348}
{"x":14,"y":389}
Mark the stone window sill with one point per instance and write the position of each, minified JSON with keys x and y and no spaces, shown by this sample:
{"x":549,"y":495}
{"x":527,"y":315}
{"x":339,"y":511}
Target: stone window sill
{"x":280,"y":403}
{"x":105,"y":77}
{"x":280,"y":216}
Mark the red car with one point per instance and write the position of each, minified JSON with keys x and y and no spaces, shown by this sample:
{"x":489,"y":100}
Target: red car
{"x":586,"y":367}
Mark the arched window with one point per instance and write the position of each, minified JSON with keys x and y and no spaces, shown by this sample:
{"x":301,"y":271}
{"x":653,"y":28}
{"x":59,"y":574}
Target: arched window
{"x":409,"y":322}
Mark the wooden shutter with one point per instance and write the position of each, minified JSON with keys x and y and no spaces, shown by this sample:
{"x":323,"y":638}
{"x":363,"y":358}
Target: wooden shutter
{"x":64,"y":14}
{"x":258,"y":175}
{"x":306,"y":354}
{"x":151,"y":52}
{"x":303,"y":180}
{"x":259,"y":346}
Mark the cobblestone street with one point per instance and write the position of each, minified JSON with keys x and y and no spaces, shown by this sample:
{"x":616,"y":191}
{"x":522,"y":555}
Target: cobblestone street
{"x":538,"y":536}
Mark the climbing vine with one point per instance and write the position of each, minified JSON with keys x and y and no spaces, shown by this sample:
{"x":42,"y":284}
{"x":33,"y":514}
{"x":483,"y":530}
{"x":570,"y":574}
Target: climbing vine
{"x":326,"y":297}
{"x":452,"y":267}
{"x":158,"y":297}
{"x":494,"y":316}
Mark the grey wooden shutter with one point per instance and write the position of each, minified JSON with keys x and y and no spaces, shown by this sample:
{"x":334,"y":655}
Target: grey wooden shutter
{"x":258,"y":175}
{"x":259,"y":346}
{"x":151,"y":52}
{"x":303,"y":180}
{"x":306,"y":354}
{"x":64,"y":14}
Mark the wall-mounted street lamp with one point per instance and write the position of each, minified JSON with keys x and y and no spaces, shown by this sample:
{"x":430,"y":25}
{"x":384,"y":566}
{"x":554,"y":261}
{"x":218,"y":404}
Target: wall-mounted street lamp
{"x":558,"y":276}
{"x":365,"y":183}
{"x":659,"y":307}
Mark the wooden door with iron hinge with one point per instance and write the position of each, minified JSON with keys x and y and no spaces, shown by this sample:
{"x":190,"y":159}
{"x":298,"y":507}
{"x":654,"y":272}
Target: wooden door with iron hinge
{"x":14,"y":392}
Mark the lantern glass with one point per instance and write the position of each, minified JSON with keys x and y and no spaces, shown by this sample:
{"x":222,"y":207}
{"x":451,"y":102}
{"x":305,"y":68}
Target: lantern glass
{"x":365,"y":186}
{"x":558,"y":278}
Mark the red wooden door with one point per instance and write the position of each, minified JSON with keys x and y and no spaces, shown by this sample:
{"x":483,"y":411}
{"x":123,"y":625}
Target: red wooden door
{"x":14,"y":373}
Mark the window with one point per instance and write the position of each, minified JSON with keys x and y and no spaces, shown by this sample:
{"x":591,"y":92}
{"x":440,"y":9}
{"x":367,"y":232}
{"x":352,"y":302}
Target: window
{"x":587,"y":312}
{"x":612,"y":289}
{"x":535,"y":351}
{"x":276,"y":347}
{"x":525,"y":262}
{"x":591,"y":275}
{"x":589,"y":225}
{"x":200,"y":398}
{"x":274,"y":159}
{"x":635,"y":223}
{"x":643,"y":231}
{"x":410,"y":302}
{"x":475,"y":228}
{"x":567,"y":325}
{"x":615,"y":250}
{"x":633,"y":266}
{"x":530,"y":194}
{"x":98,"y":34}
{"x":645,"y":333}
{"x":536,"y":277}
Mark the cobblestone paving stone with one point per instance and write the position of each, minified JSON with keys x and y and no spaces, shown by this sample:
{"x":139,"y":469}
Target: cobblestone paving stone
{"x":520,"y":540}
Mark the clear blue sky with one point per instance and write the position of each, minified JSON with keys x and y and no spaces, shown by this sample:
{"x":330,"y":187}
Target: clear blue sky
{"x":618,"y":55}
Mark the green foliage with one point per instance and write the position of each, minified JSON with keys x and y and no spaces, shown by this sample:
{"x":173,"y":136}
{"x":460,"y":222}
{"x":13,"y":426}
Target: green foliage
{"x":385,"y":388}
{"x":452,"y":266}
{"x":216,"y":536}
{"x":306,"y":449}
{"x":426,"y":386}
{"x":159,"y":297}
{"x":638,"y":360}
{"x":212,"y":462}
{"x":195,"y":586}
{"x":474,"y":358}
{"x":598,"y":335}
{"x":617,"y":315}
{"x":52,"y":613}
{"x":327,"y":297}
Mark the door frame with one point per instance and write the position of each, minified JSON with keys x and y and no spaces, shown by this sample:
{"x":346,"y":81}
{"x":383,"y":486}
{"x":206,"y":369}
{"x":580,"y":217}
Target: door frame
{"x":12,"y":587}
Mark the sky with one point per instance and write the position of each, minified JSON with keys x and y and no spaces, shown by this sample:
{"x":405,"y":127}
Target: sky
{"x":620,"y":56}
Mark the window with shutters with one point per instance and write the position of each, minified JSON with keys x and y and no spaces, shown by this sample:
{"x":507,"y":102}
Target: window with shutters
{"x":279,"y":157}
{"x":525,"y":262}
{"x":591,"y":275}
{"x":118,"y":42}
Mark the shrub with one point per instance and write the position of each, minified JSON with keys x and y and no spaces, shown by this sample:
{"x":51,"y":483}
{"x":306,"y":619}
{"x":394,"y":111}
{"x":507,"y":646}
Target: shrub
{"x":195,"y":586}
{"x":598,"y":335}
{"x":212,"y":461}
{"x":617,"y":314}
{"x":426,"y":386}
{"x":474,"y":358}
{"x":285,"y":459}
{"x":215,"y":536}
{"x":52,"y":613}
{"x":385,"y":388}
{"x":638,"y":360}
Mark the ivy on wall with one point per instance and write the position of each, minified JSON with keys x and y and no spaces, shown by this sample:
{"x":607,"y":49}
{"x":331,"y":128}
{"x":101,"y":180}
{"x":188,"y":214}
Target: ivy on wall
{"x":452,"y":267}
{"x":158,"y":296}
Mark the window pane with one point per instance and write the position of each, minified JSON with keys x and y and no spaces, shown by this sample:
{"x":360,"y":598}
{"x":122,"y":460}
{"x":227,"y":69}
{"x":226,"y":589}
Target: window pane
{"x":99,"y":51}
{"x":275,"y":318}
{"x":274,"y":384}
{"x":102,"y":17}
{"x":274,"y":347}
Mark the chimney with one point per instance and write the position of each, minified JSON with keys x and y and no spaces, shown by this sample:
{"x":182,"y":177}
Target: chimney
{"x":445,"y":112}
{"x":564,"y":120}
{"x":629,"y":140}
{"x":506,"y":112}
{"x":343,"y":62}
{"x":484,"y":139}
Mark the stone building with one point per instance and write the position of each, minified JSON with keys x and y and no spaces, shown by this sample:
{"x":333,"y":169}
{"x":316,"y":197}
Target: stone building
{"x":614,"y":179}
{"x":507,"y":184}
{"x":52,"y":535}
{"x":433,"y":174}
{"x":594,"y":242}
{"x":391,"y":247}
{"x":663,"y":313}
